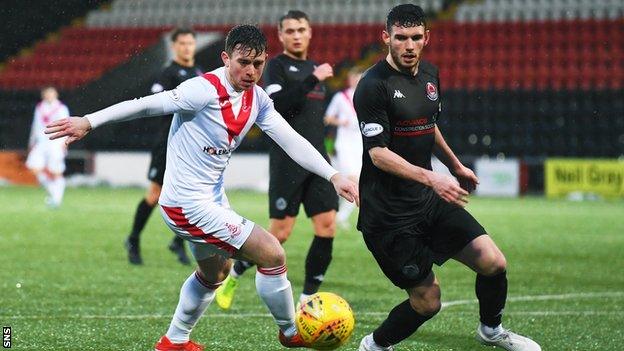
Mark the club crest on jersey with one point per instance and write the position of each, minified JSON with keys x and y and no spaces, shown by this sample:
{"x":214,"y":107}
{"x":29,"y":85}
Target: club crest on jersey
{"x":432,"y":91}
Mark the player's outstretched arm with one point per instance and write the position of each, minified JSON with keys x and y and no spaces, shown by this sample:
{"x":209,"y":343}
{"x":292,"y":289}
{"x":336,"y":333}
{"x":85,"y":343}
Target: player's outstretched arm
{"x":304,"y":154}
{"x":188,"y":96}
{"x":447,"y":187}
{"x":467,"y":179}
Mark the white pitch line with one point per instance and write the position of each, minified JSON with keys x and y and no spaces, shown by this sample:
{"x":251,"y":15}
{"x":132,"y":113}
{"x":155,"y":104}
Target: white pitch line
{"x":445,"y":305}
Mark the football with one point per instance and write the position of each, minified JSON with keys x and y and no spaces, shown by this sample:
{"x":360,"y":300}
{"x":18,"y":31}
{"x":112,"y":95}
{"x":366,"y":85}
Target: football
{"x":325,"y":320}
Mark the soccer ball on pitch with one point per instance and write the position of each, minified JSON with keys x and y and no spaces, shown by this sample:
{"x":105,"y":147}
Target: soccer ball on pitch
{"x":325,"y":320}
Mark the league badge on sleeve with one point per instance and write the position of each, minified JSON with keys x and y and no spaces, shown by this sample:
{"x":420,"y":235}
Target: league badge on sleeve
{"x":432,"y":91}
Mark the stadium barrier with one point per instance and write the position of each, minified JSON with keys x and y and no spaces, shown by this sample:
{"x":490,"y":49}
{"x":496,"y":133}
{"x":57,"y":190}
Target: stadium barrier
{"x":600,"y":177}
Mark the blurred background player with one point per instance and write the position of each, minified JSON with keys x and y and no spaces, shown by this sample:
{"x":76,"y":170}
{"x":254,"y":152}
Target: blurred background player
{"x":182,"y":68}
{"x":46,"y":158}
{"x":218,"y":109}
{"x":295,"y":84}
{"x":348,"y":160}
{"x":412,"y":217}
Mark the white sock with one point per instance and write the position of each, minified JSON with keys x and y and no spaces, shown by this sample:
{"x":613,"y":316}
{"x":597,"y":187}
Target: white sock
{"x":491,"y":332}
{"x":44,"y":181}
{"x":57,"y":189}
{"x":344,"y":211}
{"x":195,"y":296}
{"x":275,"y":290}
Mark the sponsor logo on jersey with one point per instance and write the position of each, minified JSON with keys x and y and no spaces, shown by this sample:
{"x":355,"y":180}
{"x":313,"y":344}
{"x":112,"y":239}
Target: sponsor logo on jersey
{"x":398,"y":94}
{"x":235,"y":230}
{"x":371,"y":129}
{"x":432,"y":91}
{"x":281,"y":204}
{"x":293,"y":68}
{"x":211,"y":150}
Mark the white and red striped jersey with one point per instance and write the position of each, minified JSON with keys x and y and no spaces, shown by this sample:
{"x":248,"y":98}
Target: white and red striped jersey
{"x":209,"y":123}
{"x":45,"y":113}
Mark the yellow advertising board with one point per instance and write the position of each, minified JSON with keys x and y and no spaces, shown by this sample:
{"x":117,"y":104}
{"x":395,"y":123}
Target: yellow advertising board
{"x":598,"y":176}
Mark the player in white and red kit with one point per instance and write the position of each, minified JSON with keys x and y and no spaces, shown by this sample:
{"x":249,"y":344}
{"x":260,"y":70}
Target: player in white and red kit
{"x":46,"y":157}
{"x":348,"y":160}
{"x":212,"y":114}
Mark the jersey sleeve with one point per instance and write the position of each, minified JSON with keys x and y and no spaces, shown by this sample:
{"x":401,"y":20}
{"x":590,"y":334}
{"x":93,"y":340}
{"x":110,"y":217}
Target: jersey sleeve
{"x":287,"y":95}
{"x":191,"y":96}
{"x":371,"y":103}
{"x":297,"y":147}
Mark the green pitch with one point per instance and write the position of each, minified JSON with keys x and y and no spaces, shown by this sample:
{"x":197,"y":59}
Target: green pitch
{"x":65,"y":283}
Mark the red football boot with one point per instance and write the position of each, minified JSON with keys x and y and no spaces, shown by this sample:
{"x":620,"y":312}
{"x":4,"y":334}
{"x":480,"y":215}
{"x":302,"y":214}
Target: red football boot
{"x":294,"y":341}
{"x":164,"y":344}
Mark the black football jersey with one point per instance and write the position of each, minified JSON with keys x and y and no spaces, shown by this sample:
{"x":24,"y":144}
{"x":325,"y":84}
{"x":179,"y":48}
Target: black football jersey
{"x":398,"y":111}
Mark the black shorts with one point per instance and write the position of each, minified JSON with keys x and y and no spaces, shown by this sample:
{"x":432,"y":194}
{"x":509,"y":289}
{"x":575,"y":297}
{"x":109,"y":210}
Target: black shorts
{"x":407,"y":255}
{"x":290,"y":185}
{"x":158,"y":162}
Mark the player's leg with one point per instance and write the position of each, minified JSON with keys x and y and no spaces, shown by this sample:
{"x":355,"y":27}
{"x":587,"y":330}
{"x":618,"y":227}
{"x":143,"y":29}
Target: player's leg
{"x":271,"y":281}
{"x":320,"y":202}
{"x":406,"y":261}
{"x":284,"y":201}
{"x":196,"y":294}
{"x":480,"y":253}
{"x":141,"y":215}
{"x":56,"y":167}
{"x":405,"y":318}
{"x":36,"y":163}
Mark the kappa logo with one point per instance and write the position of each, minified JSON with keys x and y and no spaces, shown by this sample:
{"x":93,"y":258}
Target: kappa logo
{"x":432,"y":91}
{"x":398,"y":94}
{"x":293,"y":69}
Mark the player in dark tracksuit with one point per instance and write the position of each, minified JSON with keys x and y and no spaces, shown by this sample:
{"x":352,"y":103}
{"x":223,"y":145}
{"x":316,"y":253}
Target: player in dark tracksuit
{"x":410,"y":216}
{"x":182,"y":68}
{"x":295,"y":84}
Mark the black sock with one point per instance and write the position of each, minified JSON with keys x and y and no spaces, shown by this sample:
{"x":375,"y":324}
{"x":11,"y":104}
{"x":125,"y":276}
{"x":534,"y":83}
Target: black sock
{"x":177,"y":241}
{"x":317,"y":262}
{"x":141,"y":216}
{"x":492,"y":294}
{"x":241,"y":266}
{"x":402,"y":322}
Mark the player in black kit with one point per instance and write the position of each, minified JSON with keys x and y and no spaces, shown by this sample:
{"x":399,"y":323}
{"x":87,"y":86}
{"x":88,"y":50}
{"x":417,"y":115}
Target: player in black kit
{"x":411,"y":217}
{"x":182,"y":68}
{"x":295,"y":84}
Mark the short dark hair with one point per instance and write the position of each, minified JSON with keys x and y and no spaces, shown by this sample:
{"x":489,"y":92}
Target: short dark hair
{"x":181,"y":31}
{"x":405,"y":15}
{"x":292,"y":14}
{"x":245,"y":37}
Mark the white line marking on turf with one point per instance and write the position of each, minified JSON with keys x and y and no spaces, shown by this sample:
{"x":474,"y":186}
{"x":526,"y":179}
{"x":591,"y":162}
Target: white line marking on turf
{"x":445,"y":305}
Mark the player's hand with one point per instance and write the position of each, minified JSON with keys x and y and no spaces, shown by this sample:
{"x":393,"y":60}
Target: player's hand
{"x":467,"y":178}
{"x":448,"y":188}
{"x":346,"y":188}
{"x":74,"y":128}
{"x":323,"y":71}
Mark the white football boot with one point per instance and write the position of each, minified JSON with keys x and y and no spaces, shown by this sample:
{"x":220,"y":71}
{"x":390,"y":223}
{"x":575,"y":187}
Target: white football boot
{"x":509,"y":340}
{"x":368,"y":344}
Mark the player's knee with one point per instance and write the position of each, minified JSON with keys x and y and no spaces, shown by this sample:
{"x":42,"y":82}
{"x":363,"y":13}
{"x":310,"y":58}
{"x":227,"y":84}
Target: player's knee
{"x":494,"y":264}
{"x":326,"y":229}
{"x":275,"y":258}
{"x":282,"y":234}
{"x":426,"y":305}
